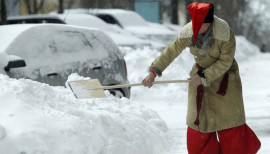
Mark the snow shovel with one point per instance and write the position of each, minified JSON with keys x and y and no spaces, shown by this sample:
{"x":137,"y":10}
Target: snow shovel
{"x":92,"y":88}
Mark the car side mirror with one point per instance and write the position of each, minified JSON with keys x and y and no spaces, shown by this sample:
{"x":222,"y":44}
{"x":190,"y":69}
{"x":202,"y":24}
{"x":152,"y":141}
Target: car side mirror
{"x":14,"y":62}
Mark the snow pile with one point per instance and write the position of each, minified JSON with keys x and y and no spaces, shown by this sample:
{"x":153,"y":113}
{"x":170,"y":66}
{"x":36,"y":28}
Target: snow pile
{"x":38,"y":118}
{"x":245,"y":49}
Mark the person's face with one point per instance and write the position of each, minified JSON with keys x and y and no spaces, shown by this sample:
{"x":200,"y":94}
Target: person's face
{"x":204,"y":28}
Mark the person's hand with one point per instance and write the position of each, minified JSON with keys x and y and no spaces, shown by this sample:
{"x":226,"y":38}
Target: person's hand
{"x":148,"y":80}
{"x":195,"y":80}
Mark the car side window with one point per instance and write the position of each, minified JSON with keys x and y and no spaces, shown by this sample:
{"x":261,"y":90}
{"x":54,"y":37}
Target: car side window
{"x":9,"y":22}
{"x":54,"y":21}
{"x":35,"y":21}
{"x":109,"y":19}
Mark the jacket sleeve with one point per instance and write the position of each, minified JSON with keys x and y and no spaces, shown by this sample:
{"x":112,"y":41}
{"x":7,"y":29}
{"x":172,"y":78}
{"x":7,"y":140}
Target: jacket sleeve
{"x":168,"y":55}
{"x":223,"y":64}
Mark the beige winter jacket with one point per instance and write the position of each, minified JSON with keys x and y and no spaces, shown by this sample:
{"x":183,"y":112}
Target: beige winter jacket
{"x":217,"y":112}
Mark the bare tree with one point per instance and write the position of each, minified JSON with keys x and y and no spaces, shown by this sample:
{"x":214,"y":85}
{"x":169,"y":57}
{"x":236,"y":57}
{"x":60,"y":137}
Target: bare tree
{"x":187,"y":3}
{"x":174,"y":5}
{"x":256,"y":27}
{"x":231,"y":10}
{"x":33,"y":6}
{"x":61,"y":6}
{"x":70,"y":3}
{"x":3,"y":12}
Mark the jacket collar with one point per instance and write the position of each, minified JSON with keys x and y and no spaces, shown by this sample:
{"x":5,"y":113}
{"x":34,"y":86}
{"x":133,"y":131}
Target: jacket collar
{"x":221,"y":30}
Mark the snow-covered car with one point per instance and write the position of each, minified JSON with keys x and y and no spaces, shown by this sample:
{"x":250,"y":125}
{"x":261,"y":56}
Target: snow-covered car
{"x":48,"y":53}
{"x":119,"y":36}
{"x":134,"y":23}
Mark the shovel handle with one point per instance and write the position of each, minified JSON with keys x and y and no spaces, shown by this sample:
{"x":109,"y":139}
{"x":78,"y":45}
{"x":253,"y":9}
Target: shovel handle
{"x":140,"y":84}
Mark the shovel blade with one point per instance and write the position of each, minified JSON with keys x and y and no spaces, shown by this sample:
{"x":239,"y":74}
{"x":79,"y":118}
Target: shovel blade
{"x":86,"y":88}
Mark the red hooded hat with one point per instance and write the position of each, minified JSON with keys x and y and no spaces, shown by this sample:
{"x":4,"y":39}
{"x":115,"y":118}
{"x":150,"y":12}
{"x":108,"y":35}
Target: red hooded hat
{"x":198,"y":13}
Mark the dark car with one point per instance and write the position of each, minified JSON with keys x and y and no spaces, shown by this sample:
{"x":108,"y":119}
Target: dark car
{"x":34,"y":19}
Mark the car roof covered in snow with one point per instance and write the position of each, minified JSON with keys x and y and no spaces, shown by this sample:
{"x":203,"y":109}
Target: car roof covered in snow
{"x":38,"y":41}
{"x":9,"y":33}
{"x":123,"y":16}
{"x":86,"y":20}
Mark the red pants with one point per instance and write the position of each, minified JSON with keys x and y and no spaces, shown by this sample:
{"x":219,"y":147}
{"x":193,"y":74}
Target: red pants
{"x":237,"y":140}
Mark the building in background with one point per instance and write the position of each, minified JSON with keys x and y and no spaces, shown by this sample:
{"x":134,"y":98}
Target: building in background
{"x":150,"y":10}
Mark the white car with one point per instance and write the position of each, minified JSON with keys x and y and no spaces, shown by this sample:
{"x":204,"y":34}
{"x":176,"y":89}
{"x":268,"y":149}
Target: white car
{"x":49,"y":53}
{"x":120,"y":37}
{"x":134,"y":23}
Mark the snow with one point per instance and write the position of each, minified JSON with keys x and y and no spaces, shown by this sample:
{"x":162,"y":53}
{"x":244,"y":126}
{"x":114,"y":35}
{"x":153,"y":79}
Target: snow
{"x":38,"y":118}
{"x":2,"y":132}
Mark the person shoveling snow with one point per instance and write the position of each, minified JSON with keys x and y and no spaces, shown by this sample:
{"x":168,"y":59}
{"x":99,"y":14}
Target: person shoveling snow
{"x":215,"y":101}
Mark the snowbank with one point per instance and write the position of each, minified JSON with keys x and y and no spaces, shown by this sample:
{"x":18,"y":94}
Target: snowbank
{"x":245,"y":49}
{"x":38,"y":118}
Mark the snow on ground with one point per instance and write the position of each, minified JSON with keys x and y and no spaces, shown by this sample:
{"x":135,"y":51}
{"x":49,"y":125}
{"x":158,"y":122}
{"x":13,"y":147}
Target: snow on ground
{"x":37,"y":118}
{"x":170,"y":101}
